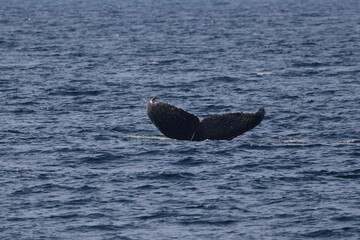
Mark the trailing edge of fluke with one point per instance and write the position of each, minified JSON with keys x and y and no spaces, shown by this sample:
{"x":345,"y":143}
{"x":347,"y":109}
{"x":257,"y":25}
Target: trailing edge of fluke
{"x":176,"y":123}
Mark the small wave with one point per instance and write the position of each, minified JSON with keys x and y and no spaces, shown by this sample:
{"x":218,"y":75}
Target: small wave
{"x":225,"y":79}
{"x":307,"y":143}
{"x":293,"y":141}
{"x":349,"y":175}
{"x":209,"y":222}
{"x":290,"y":143}
{"x":189,"y":161}
{"x":15,"y":131}
{"x":73,"y":91}
{"x":100,"y":158}
{"x":314,"y":64}
{"x":147,"y":187}
{"x":264,"y":73}
{"x":327,"y":233}
{"x":23,"y":111}
{"x":145,"y":137}
{"x":43,"y":188}
{"x":354,"y":174}
{"x":95,"y":227}
{"x":166,"y":62}
{"x":159,"y":214}
{"x":350,"y":141}
{"x":165,"y":175}
{"x":346,"y":218}
{"x":64,"y":216}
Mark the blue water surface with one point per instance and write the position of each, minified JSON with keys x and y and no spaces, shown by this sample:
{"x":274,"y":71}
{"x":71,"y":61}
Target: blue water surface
{"x":79,"y":159}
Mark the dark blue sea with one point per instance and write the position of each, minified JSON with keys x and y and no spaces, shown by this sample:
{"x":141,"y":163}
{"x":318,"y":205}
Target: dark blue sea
{"x":79,"y":158}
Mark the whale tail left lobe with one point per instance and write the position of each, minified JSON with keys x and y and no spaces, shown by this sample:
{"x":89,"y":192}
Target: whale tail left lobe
{"x":173,"y":122}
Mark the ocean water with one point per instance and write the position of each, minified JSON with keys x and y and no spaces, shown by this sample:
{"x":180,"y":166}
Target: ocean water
{"x":79,"y":159}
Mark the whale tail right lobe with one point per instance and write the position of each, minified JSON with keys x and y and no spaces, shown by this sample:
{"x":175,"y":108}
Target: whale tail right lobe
{"x":227,"y":126}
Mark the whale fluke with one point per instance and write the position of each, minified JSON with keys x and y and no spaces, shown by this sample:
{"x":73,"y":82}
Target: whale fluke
{"x":176,"y":123}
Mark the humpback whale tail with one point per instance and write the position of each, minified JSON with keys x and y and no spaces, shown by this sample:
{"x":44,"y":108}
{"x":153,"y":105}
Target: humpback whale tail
{"x":176,"y":123}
